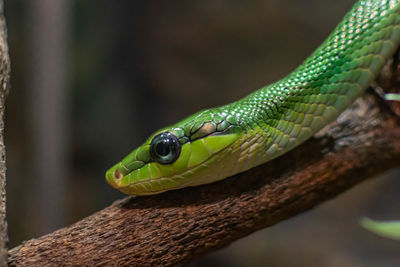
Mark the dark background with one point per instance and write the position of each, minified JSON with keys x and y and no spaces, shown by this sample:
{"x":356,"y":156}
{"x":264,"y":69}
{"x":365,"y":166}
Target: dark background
{"x":91,"y":79}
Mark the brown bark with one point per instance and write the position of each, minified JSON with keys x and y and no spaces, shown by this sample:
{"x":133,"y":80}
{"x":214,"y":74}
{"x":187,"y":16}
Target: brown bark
{"x":4,"y":78}
{"x":176,"y":227}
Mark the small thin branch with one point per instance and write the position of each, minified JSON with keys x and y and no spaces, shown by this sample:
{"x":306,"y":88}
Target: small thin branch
{"x":176,"y":227}
{"x":4,"y":79}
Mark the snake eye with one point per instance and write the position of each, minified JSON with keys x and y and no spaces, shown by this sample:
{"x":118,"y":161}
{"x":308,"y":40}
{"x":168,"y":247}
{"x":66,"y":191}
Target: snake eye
{"x":165,"y":148}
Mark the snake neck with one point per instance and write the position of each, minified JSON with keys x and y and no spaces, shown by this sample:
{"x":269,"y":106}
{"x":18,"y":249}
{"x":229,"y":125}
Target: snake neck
{"x":278,"y":117}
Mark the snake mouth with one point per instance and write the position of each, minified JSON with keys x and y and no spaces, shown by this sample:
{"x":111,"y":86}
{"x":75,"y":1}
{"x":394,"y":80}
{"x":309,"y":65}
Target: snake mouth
{"x":112,"y":179}
{"x":151,"y":186}
{"x":180,"y":180}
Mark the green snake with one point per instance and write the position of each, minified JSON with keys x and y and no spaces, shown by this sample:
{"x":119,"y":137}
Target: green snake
{"x":219,"y":142}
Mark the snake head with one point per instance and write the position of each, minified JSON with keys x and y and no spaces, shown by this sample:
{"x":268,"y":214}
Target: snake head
{"x":185,"y":154}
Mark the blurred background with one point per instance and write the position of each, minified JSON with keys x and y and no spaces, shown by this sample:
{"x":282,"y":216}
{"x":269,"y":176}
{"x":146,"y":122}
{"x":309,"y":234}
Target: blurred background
{"x":91,"y":79}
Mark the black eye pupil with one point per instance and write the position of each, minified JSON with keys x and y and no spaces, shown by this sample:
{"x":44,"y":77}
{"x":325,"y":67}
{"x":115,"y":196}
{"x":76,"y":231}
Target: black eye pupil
{"x":165,"y":148}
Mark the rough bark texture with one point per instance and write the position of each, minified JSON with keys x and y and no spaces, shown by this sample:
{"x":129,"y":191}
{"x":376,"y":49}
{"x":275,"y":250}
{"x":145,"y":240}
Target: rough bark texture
{"x":175,"y":227}
{"x":4,"y":78}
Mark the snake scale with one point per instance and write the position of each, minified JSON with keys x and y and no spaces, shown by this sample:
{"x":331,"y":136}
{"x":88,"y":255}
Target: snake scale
{"x":219,"y":142}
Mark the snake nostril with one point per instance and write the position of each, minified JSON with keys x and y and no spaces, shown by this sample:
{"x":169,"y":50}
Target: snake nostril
{"x":118,"y":175}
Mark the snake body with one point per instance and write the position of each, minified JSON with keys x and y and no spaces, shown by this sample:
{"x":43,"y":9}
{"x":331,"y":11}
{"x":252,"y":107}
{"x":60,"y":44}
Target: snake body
{"x":219,"y":142}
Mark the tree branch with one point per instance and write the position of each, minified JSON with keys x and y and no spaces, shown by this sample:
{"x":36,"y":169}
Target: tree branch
{"x":4,"y":78}
{"x":176,"y":227}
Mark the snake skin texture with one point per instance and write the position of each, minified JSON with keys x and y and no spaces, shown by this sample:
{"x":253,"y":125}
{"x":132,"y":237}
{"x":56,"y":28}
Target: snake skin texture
{"x":219,"y":142}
